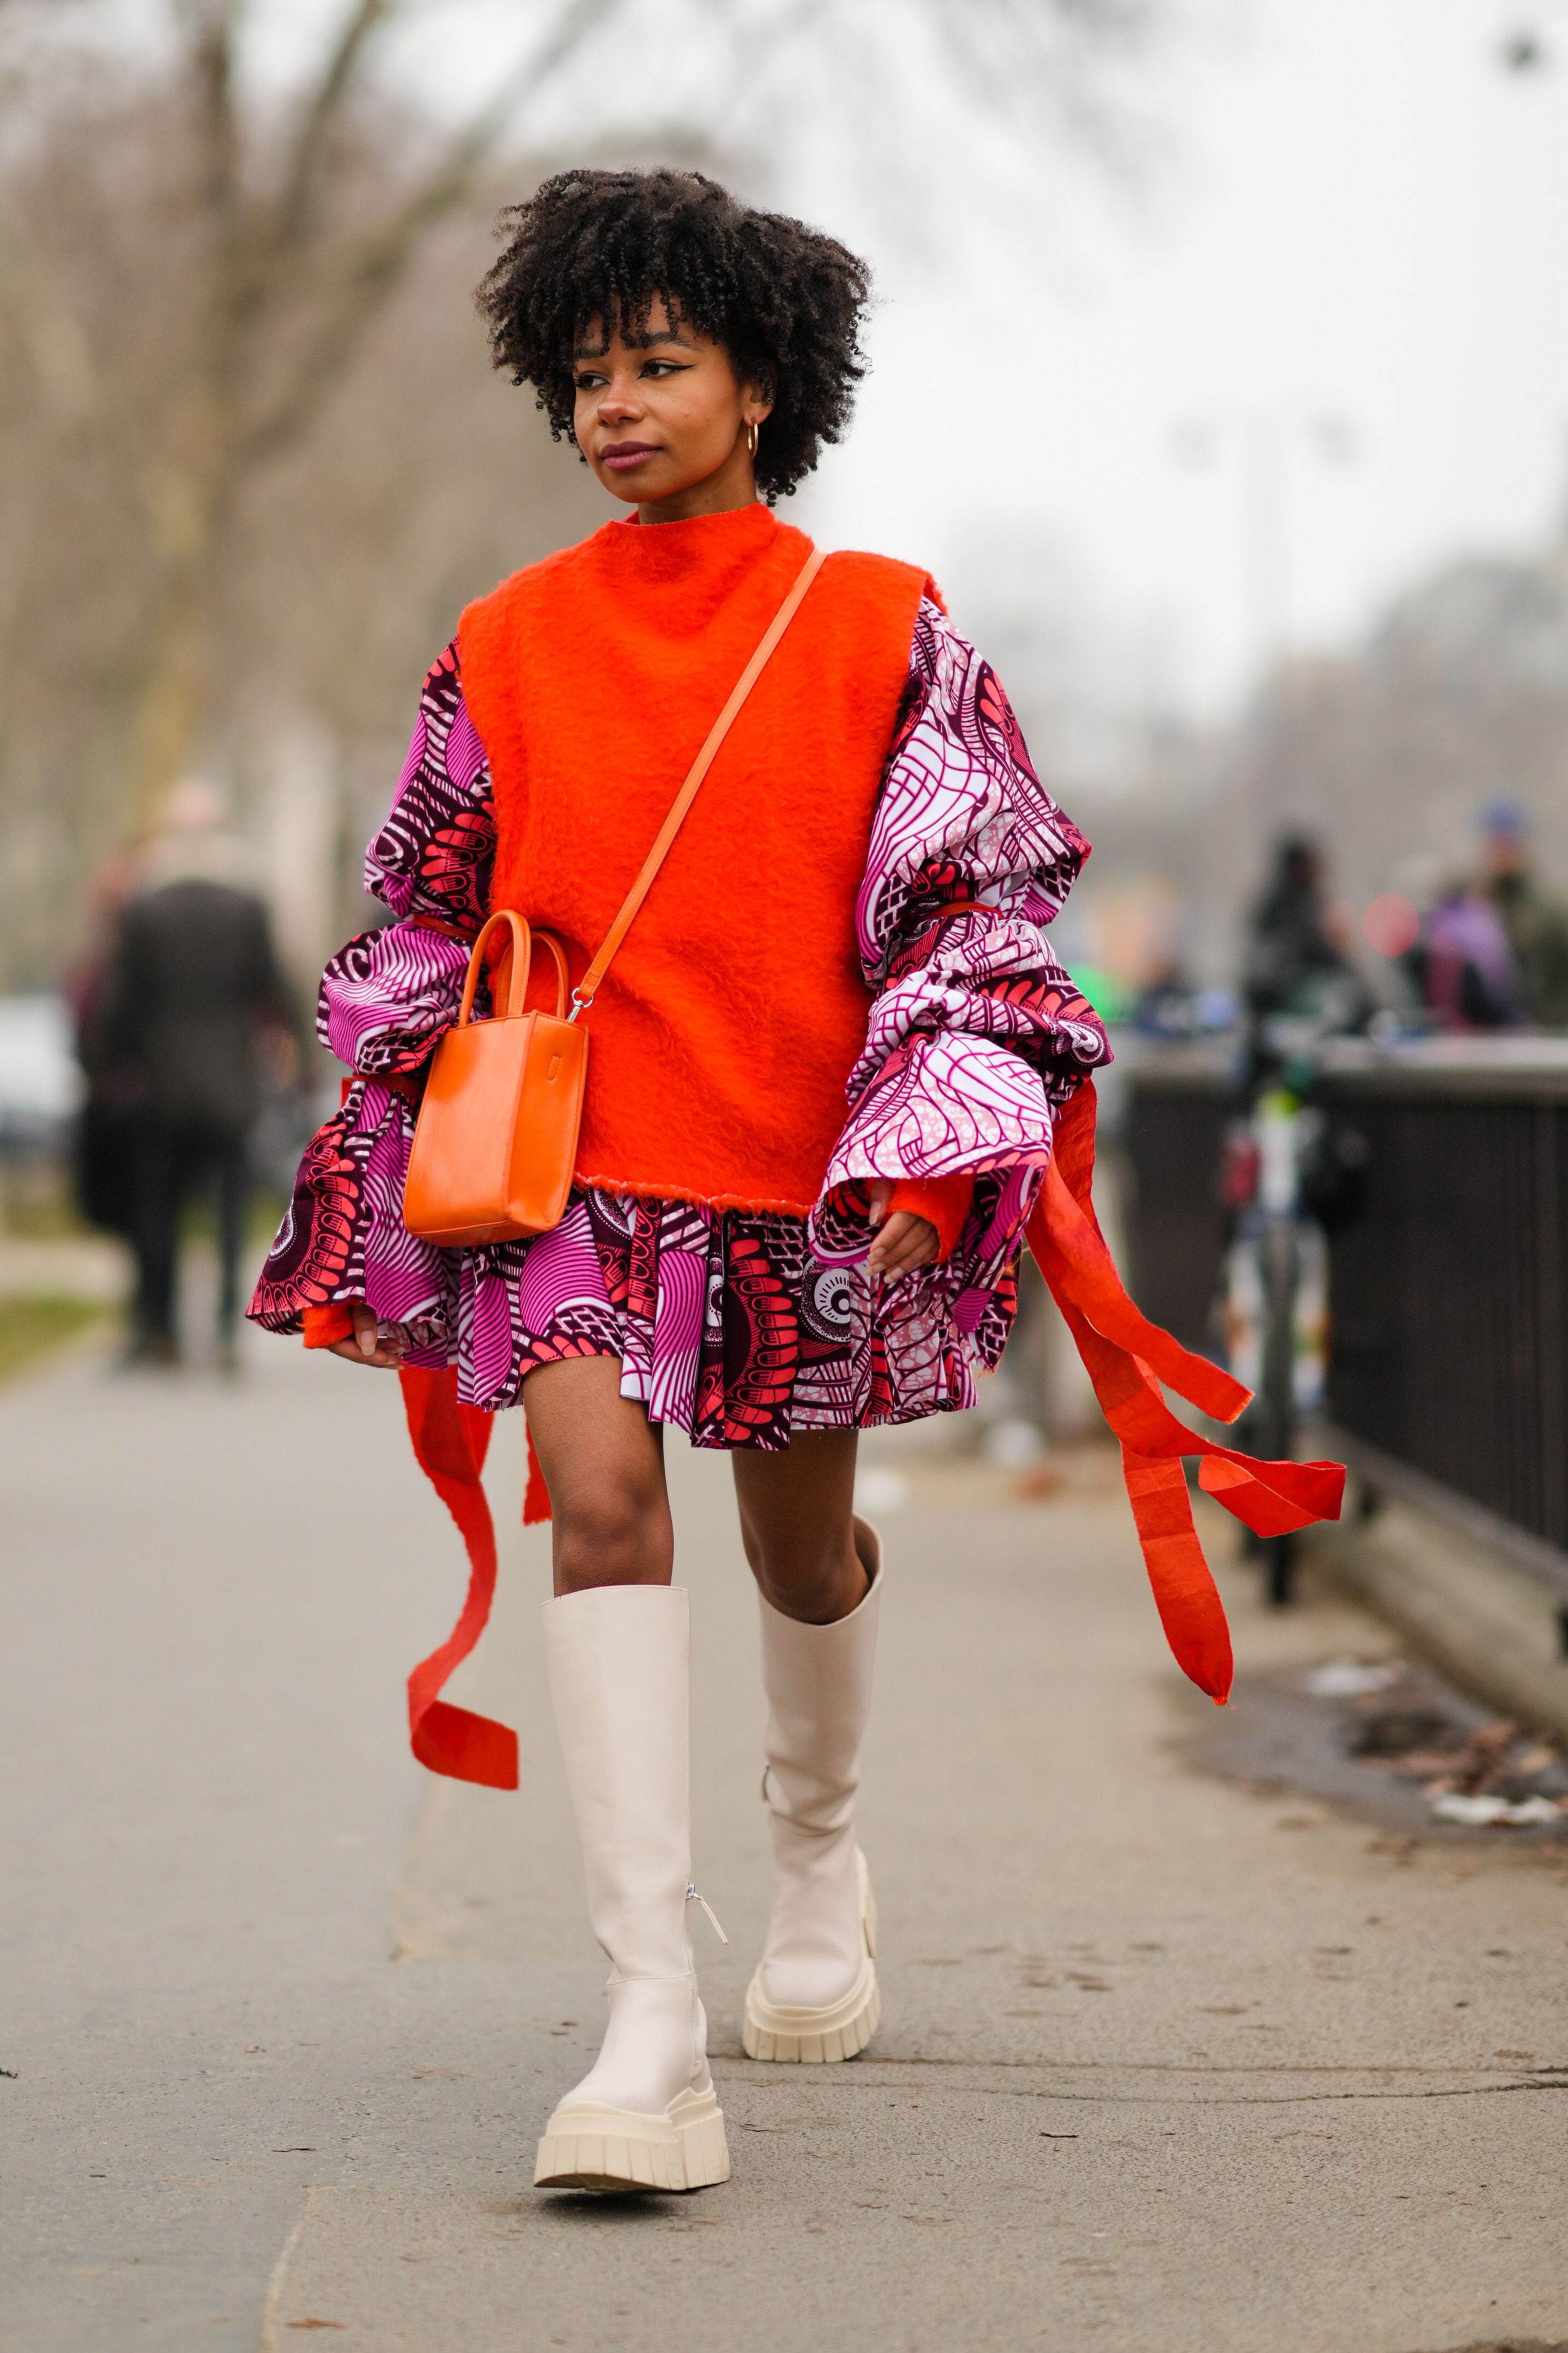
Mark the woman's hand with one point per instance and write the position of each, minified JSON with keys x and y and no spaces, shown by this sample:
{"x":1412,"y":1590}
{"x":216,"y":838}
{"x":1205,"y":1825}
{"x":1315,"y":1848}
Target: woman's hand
{"x":366,"y":1347}
{"x":903,"y":1241}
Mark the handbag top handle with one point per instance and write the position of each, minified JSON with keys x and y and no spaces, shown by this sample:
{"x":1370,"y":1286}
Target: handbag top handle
{"x":523,"y":940}
{"x":585,"y":994}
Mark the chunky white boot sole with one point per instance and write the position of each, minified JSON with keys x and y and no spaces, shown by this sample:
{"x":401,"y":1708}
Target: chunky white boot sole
{"x":596,"y":2147}
{"x":817,"y":2037}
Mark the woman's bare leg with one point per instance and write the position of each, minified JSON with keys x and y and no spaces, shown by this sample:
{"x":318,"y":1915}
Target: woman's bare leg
{"x":603,"y":1461}
{"x":797,"y":1526}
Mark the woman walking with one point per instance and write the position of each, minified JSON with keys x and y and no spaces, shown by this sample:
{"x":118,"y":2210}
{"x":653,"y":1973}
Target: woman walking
{"x":825,"y":1067}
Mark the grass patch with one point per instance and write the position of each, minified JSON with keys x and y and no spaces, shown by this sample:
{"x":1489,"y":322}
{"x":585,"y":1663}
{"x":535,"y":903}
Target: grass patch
{"x":31,"y":1328}
{"x":42,"y":1211}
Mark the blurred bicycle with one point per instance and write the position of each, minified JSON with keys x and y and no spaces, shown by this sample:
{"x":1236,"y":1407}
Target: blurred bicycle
{"x":1291,"y":1173}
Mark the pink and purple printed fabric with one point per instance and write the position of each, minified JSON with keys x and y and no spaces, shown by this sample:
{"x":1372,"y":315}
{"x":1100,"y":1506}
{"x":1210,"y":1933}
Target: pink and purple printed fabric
{"x":740,"y":1329}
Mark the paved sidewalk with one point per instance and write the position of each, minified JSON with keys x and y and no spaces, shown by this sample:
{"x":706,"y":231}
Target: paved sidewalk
{"x":1166,"y":2064}
{"x":89,"y":1266}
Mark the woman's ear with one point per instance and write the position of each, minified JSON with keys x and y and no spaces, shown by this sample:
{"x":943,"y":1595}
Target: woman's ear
{"x":758,"y":396}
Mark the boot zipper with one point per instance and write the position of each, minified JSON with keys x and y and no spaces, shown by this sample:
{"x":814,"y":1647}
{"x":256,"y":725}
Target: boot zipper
{"x":693,"y":1896}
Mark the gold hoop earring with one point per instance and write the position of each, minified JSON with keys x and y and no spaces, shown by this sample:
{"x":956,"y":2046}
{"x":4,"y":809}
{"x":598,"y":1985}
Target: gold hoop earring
{"x":752,"y":432}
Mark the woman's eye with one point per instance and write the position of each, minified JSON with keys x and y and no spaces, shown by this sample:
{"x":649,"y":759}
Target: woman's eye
{"x":589,"y":382}
{"x":663,"y":367}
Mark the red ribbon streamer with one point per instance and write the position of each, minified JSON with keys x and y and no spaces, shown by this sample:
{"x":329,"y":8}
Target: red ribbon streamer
{"x":451,"y":1441}
{"x":536,"y":1494}
{"x":1127,"y":1357}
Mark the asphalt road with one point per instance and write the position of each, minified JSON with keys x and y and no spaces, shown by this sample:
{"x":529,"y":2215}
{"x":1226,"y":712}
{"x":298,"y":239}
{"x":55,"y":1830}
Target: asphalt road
{"x":1166,"y":2063}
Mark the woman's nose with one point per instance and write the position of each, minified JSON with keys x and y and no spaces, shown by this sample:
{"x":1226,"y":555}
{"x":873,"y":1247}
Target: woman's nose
{"x":619,"y":406}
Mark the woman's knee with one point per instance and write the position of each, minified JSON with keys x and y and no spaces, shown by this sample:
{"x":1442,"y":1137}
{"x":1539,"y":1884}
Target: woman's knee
{"x":611,"y":1530}
{"x":816,"y":1582}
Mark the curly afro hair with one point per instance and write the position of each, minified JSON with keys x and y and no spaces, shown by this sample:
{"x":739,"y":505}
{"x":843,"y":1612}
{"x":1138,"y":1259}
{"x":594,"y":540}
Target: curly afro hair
{"x":785,"y":301}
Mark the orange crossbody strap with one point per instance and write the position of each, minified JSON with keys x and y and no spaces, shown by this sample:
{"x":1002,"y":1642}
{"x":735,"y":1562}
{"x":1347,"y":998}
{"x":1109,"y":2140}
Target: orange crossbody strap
{"x":584,"y":996}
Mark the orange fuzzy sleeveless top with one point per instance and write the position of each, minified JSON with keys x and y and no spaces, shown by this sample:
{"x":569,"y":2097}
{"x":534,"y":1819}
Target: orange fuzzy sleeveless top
{"x":735,"y":1011}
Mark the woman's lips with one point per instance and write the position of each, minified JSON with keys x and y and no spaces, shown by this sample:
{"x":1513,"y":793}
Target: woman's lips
{"x":622,"y":455}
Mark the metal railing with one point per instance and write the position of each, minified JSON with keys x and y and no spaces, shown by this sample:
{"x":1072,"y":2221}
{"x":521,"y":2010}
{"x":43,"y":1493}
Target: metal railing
{"x":1448,"y":1288}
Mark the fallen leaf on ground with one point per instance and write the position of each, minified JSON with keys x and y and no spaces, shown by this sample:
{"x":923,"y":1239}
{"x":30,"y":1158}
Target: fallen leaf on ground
{"x":1349,"y":1679}
{"x":1484,"y":1812}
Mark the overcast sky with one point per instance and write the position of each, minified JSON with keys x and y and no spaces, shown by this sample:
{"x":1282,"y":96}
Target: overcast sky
{"x":1330,"y":350}
{"x":1326,"y":347}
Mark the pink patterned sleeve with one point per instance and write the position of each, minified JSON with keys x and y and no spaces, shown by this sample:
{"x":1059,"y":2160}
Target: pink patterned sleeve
{"x":976,"y":1036}
{"x":387,"y":996}
{"x":385,"y":1001}
{"x":435,"y":853}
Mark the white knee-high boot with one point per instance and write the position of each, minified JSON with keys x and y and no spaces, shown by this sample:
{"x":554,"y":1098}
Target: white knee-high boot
{"x":814,"y":1995}
{"x":645,"y":2115}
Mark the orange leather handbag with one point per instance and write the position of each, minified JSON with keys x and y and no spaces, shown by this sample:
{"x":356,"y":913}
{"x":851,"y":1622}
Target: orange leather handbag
{"x":497,"y":1133}
{"x":496,"y":1141}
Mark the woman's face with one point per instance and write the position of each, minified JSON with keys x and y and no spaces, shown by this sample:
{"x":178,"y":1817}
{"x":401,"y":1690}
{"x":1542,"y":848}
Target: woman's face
{"x":662,"y":419}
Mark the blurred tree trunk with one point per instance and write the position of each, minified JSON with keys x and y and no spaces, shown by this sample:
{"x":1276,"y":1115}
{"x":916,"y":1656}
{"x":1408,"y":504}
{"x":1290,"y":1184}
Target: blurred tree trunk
{"x":266,"y":253}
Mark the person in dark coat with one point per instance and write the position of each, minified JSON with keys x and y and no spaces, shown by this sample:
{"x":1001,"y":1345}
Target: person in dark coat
{"x":1536,"y":923}
{"x":1291,"y":949}
{"x":1295,"y":964}
{"x":192,"y":996}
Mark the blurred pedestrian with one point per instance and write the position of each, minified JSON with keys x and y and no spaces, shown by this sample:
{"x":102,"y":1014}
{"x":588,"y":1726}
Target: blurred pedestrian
{"x":190,"y":997}
{"x":1295,"y":946}
{"x":1296,"y":972}
{"x":1465,"y":963}
{"x":1536,"y":924}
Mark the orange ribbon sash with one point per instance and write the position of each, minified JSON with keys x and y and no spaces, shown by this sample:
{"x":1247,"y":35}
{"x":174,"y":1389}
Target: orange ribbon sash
{"x":1127,"y":1357}
{"x":451,"y":1441}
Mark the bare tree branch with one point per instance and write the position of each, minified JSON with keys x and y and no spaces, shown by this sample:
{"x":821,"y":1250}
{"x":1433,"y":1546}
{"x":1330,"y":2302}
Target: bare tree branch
{"x":373,"y":271}
{"x":364,"y":20}
{"x":212,"y":28}
{"x":1009,"y":52}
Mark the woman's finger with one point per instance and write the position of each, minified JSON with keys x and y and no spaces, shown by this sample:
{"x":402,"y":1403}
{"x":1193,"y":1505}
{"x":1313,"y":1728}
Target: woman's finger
{"x":386,"y":1358}
{"x":891,"y":1241}
{"x":368,"y":1346}
{"x":908,"y":1262}
{"x":904,"y":1243}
